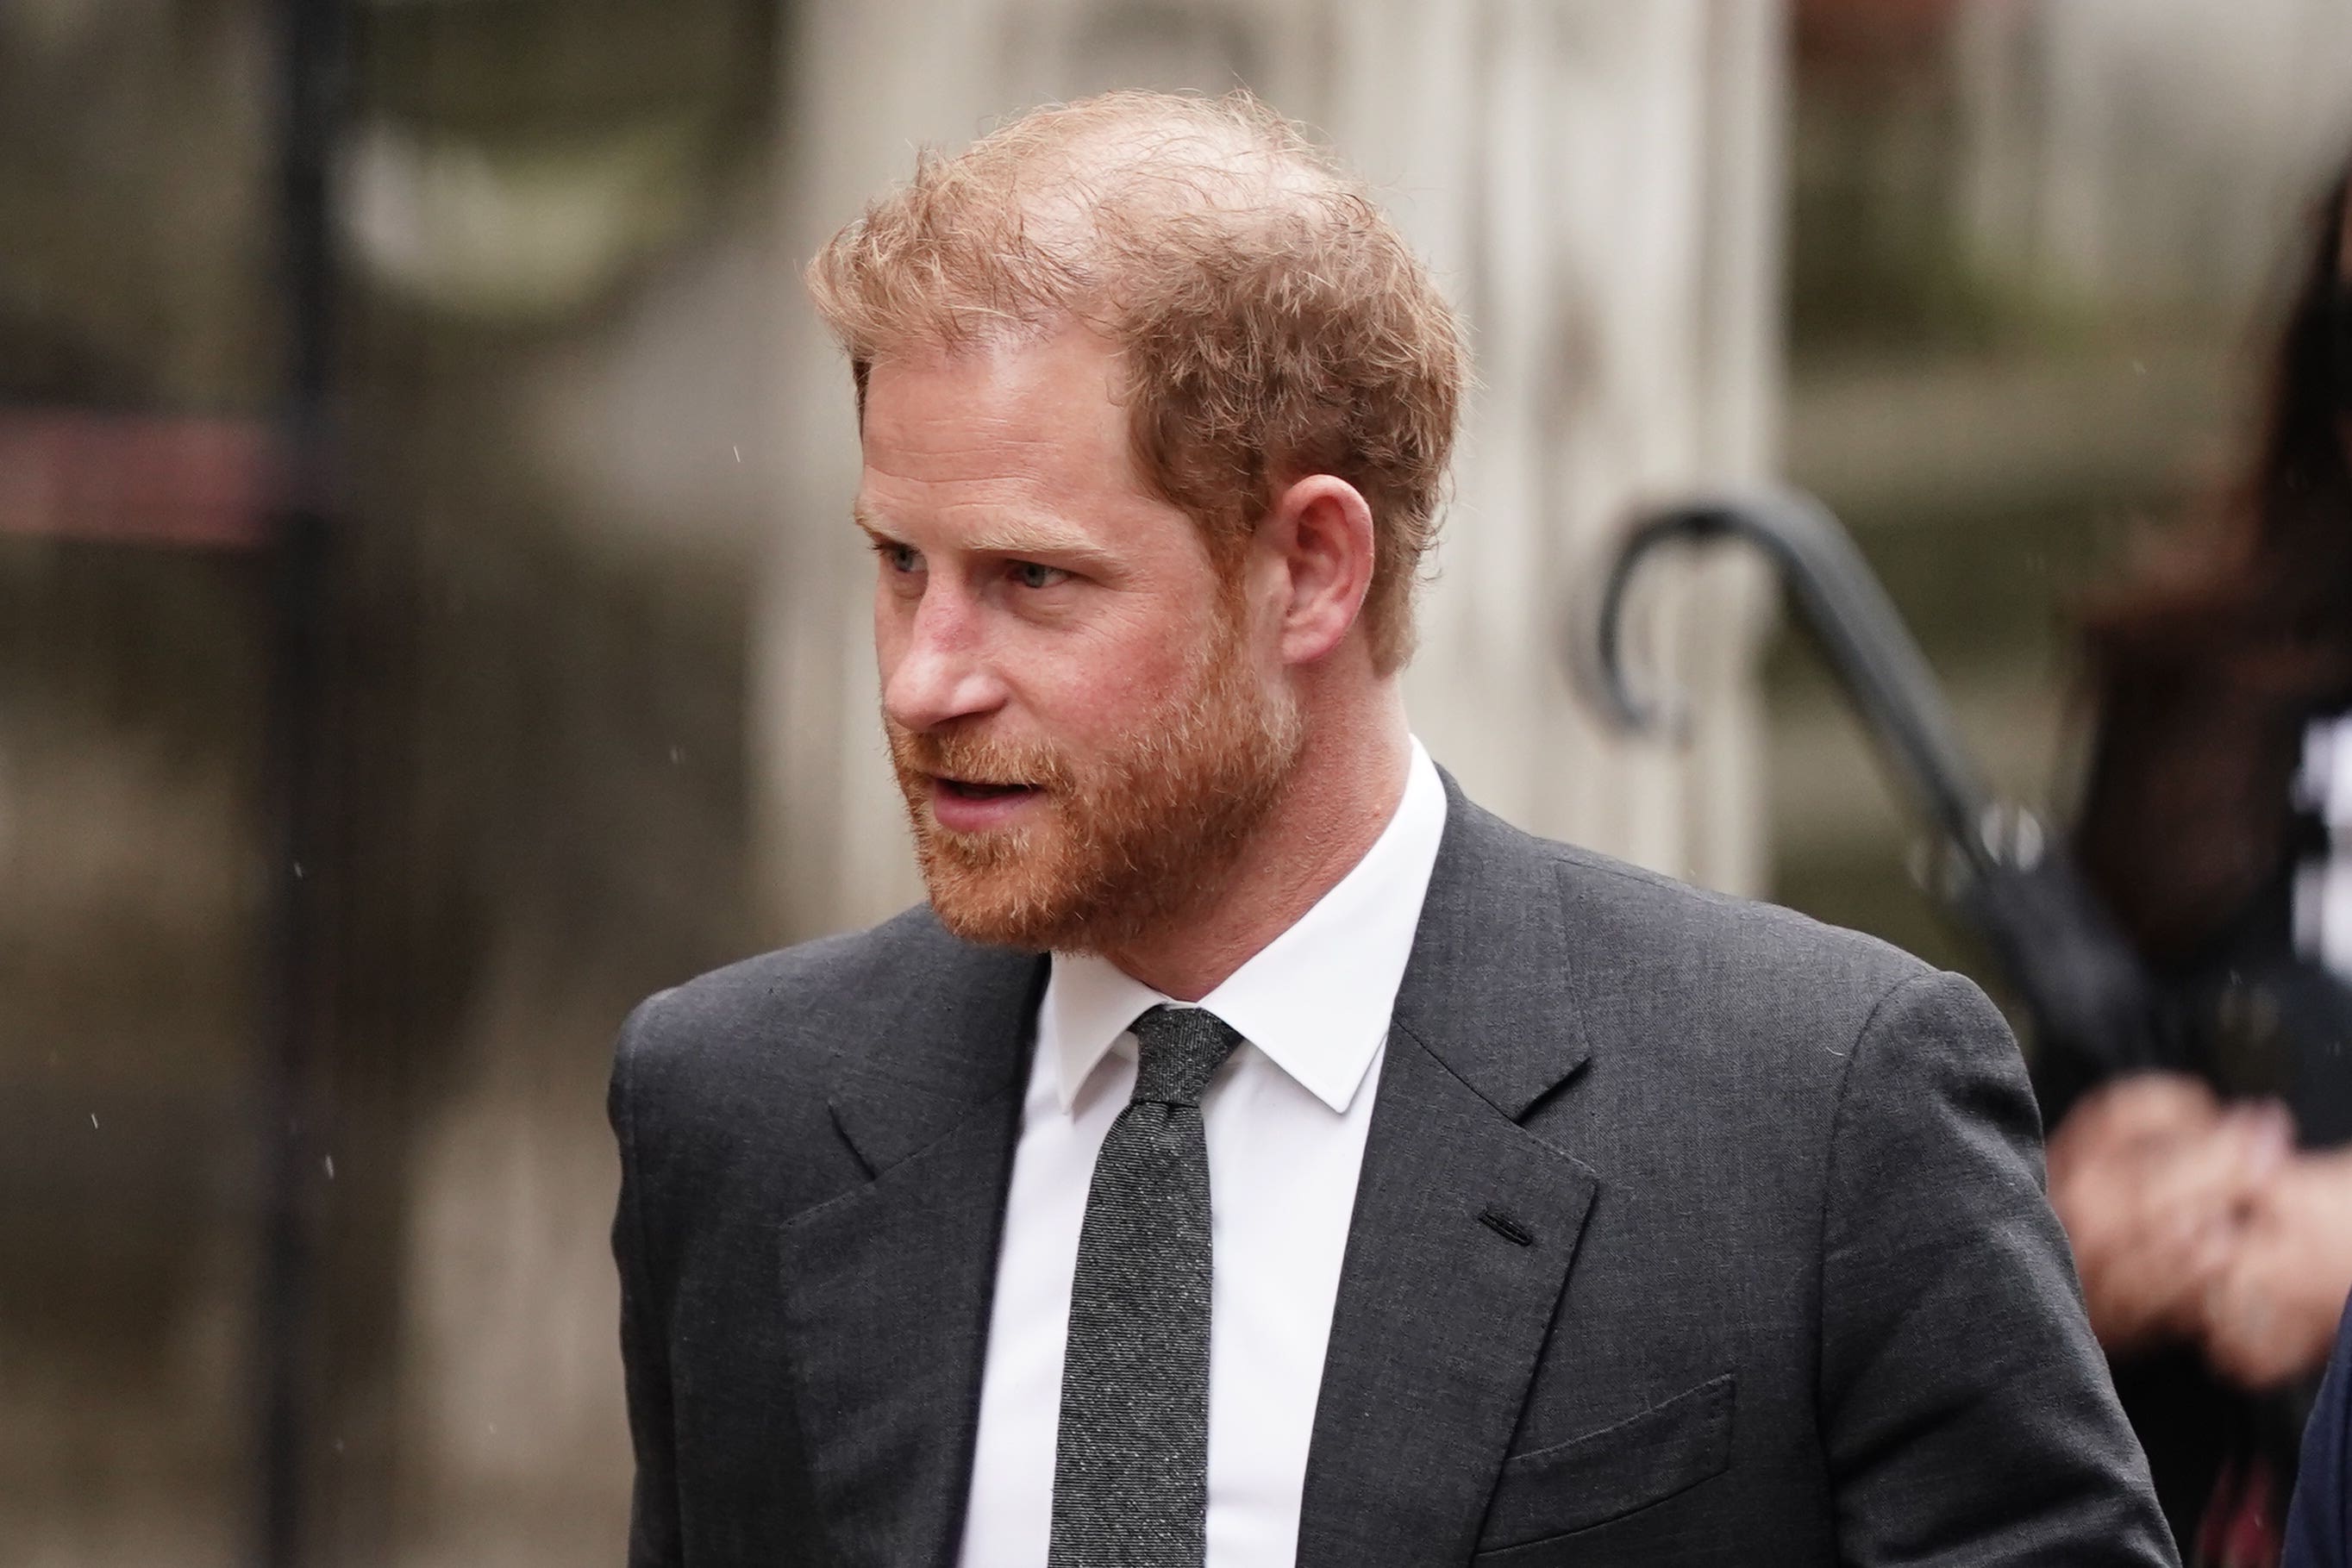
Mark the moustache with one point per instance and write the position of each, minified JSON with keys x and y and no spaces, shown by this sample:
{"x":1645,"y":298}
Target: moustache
{"x":977,"y":759}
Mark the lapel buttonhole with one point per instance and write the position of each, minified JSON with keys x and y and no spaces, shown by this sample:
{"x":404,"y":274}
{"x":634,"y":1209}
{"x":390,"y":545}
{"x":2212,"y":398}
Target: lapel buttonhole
{"x":1509,"y":1229}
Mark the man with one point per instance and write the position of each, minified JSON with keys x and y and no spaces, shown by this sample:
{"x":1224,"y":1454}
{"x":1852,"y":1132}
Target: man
{"x":1255,"y":1153}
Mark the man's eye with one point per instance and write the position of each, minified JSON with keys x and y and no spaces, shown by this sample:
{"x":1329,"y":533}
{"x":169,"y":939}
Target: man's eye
{"x":898,"y":557}
{"x":1029,"y":574}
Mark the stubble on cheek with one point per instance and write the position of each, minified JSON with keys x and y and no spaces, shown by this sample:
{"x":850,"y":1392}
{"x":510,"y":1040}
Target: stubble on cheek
{"x":1131,"y":838}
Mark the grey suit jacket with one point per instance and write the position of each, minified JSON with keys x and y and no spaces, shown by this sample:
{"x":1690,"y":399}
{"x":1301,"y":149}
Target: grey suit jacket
{"x":1689,"y":1231}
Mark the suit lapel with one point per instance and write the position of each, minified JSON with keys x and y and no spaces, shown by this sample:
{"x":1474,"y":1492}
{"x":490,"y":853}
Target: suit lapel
{"x":887,"y":1289}
{"x":1466,"y":1223}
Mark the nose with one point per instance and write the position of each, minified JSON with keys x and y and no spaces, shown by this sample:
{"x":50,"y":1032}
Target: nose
{"x":940,"y":672}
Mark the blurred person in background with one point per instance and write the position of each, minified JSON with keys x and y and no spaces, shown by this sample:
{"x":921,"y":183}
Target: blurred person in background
{"x":2210,"y":1211}
{"x":1558,"y":1210}
{"x":2319,"y":1521}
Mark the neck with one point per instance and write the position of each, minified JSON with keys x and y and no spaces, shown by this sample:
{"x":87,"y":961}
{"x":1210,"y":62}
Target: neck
{"x":1350,"y":779}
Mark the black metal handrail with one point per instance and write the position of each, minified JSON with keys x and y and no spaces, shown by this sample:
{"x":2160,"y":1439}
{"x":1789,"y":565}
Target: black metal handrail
{"x":2095,"y":1010}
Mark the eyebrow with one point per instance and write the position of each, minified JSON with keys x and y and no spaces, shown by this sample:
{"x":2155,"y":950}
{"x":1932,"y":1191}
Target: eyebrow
{"x":1025,"y":540}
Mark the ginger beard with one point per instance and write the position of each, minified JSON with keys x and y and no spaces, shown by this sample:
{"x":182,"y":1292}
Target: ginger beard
{"x":1121,"y":843}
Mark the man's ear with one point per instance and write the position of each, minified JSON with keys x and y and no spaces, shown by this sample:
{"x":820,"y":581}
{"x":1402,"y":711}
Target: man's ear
{"x":1318,"y":537}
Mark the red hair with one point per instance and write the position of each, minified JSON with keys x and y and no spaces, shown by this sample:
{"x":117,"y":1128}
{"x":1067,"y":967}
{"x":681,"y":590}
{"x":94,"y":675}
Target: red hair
{"x":1271,"y":321}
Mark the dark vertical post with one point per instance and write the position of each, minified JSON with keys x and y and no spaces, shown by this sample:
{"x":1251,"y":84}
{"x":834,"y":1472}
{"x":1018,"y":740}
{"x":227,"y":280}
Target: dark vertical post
{"x":294,"y":1100}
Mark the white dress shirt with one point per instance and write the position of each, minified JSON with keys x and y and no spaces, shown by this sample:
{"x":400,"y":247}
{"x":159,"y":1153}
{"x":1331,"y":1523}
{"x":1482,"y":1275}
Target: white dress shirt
{"x":1285,"y":1118}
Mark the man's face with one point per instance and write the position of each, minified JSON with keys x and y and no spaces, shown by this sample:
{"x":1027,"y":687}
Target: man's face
{"x":1083,"y":723}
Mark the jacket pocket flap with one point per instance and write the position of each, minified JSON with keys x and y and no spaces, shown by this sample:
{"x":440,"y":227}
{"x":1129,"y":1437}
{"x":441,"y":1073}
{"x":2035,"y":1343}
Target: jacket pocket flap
{"x":1646,"y":1459}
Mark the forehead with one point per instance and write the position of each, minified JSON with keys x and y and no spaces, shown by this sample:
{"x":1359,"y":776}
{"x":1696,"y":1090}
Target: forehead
{"x":1028,"y":419}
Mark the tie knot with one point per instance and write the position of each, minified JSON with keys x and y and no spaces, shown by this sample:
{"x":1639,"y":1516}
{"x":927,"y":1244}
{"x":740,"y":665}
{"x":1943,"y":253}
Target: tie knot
{"x":1176,"y":1052}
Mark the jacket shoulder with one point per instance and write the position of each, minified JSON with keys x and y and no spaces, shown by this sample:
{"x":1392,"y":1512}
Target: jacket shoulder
{"x":1748,"y":936}
{"x":779,"y":1016}
{"x":1647,"y":957}
{"x":1704,"y":945}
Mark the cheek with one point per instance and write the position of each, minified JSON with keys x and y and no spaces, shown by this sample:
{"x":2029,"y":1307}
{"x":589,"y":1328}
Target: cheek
{"x":1105,"y":685}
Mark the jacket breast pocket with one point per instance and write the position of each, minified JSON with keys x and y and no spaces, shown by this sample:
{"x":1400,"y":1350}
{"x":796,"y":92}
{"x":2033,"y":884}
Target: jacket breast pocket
{"x":1600,"y":1476}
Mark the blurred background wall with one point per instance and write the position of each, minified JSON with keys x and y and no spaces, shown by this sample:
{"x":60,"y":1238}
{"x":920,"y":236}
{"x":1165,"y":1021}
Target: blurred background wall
{"x":597,"y":673}
{"x":598,"y":700}
{"x":2036,"y":252}
{"x":1595,"y":183}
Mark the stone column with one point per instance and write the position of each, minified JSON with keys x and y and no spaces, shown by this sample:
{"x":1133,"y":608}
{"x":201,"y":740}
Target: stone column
{"x":1598,"y":185}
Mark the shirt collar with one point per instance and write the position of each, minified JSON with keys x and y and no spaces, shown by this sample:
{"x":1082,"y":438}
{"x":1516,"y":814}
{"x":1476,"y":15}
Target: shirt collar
{"x":1315,"y":999}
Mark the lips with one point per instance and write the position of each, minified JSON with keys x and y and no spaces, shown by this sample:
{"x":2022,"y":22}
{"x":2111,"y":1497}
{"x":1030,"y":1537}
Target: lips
{"x":972,"y":805}
{"x":977,"y":790}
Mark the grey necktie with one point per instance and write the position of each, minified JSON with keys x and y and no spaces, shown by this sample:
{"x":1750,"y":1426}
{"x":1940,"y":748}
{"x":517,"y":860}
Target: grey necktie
{"x":1132,"y":1458}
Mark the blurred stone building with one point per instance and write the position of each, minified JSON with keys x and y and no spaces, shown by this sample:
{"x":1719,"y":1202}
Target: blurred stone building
{"x":2037,"y":251}
{"x":601,"y":707}
{"x":1596,"y":184}
{"x":600,"y":704}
